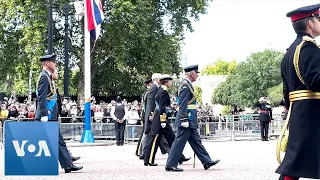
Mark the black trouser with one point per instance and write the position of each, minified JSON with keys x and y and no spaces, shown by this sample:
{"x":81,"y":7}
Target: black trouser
{"x":119,"y":128}
{"x":139,"y":145}
{"x":153,"y":142}
{"x":163,"y":145}
{"x":64,"y":155}
{"x":192,"y":136}
{"x":264,"y":125}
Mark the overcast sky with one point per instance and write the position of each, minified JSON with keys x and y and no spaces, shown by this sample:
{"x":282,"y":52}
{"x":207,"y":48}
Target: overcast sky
{"x":233,"y":29}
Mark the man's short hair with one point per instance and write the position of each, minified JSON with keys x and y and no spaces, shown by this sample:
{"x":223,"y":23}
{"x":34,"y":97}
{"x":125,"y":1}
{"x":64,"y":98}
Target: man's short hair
{"x":300,"y":26}
{"x":155,"y":76}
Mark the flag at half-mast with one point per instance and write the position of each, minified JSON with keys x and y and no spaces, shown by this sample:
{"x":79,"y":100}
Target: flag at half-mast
{"x":95,"y":17}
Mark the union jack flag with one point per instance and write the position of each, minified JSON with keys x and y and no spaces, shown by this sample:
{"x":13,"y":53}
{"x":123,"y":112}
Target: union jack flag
{"x":95,"y":17}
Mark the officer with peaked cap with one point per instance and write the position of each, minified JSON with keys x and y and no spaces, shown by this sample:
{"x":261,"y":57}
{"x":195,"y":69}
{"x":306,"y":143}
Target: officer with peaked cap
{"x":187,"y":124}
{"x":47,"y":107}
{"x":265,"y":116}
{"x":300,"y":72}
{"x":160,"y":123}
{"x":45,"y":90}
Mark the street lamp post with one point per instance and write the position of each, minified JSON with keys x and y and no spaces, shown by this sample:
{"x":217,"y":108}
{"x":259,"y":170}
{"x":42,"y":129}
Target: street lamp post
{"x":66,"y":14}
{"x":50,"y":28}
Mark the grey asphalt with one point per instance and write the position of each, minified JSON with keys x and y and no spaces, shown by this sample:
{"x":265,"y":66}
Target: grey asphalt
{"x":242,"y":160}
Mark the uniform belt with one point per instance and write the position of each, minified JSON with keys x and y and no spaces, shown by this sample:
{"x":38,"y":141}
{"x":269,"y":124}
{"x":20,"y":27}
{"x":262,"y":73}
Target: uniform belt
{"x":52,"y":99}
{"x":302,"y":95}
{"x":192,"y":106}
{"x":264,"y":111}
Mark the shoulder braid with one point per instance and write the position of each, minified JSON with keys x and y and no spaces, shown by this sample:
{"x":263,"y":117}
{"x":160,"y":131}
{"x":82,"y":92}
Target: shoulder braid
{"x":191,"y":90}
{"x":297,"y":55}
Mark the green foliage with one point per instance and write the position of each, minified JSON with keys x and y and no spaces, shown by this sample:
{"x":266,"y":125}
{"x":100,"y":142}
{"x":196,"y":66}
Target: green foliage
{"x":220,"y":67}
{"x":251,"y":80}
{"x":226,"y":110}
{"x":137,"y":39}
{"x":198,"y":94}
{"x":276,"y":94}
{"x":225,"y":93}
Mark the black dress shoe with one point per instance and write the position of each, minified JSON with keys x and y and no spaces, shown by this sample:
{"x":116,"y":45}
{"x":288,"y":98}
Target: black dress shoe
{"x":172,"y":168}
{"x":184,"y":160}
{"x":72,"y":168}
{"x":141,"y":157}
{"x":74,"y":158}
{"x":150,"y":164}
{"x":211,"y":163}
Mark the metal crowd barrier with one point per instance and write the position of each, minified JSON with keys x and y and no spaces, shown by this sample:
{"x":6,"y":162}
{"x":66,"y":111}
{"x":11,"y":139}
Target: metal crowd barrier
{"x":227,"y":128}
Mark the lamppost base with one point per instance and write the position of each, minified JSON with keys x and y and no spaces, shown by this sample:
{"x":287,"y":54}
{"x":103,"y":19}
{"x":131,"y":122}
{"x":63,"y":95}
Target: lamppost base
{"x":87,"y":137}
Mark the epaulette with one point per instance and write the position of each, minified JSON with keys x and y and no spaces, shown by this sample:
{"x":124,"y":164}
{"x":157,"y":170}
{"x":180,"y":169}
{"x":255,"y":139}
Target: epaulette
{"x":297,"y":55}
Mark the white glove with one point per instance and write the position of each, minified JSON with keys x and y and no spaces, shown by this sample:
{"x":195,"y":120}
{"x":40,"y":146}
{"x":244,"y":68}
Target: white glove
{"x":185,"y":124}
{"x":163,"y":125}
{"x":44,"y":119}
{"x":261,"y":99}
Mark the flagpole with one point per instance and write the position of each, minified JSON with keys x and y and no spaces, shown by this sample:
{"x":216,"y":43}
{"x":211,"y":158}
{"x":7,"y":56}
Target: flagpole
{"x":87,"y":136}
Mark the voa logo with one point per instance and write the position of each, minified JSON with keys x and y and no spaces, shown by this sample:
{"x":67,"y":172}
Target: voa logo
{"x":42,"y":144}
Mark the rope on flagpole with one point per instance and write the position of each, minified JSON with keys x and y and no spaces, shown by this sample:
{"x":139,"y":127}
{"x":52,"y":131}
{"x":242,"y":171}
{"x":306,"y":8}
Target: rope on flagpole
{"x":94,"y":45}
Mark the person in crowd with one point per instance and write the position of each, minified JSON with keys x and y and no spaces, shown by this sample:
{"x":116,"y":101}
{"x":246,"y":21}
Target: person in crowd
{"x":119,"y":114}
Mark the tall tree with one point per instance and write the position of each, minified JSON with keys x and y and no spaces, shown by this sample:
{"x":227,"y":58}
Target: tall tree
{"x":220,"y":67}
{"x":198,"y":94}
{"x":138,"y":38}
{"x":276,"y":94}
{"x":251,"y":80}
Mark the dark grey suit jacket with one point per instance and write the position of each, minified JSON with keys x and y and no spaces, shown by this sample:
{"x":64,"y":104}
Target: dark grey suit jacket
{"x":151,"y":105}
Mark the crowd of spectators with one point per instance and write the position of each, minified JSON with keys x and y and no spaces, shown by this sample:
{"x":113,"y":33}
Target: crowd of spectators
{"x":73,"y":112}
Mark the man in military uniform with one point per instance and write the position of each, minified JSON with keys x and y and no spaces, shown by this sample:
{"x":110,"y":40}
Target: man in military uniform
{"x":187,"y":124}
{"x":139,"y":150}
{"x":300,"y":71}
{"x":55,"y":76}
{"x":47,"y":108}
{"x":265,"y":117}
{"x":160,"y":123}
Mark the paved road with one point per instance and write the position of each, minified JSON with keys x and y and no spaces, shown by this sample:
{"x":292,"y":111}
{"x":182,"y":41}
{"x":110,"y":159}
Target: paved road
{"x":242,"y":160}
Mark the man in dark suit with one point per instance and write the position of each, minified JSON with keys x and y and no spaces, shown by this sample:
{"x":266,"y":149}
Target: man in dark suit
{"x":187,"y":124}
{"x":55,"y":76}
{"x":47,"y":107}
{"x":300,"y":72}
{"x":139,"y":150}
{"x":151,"y":105}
